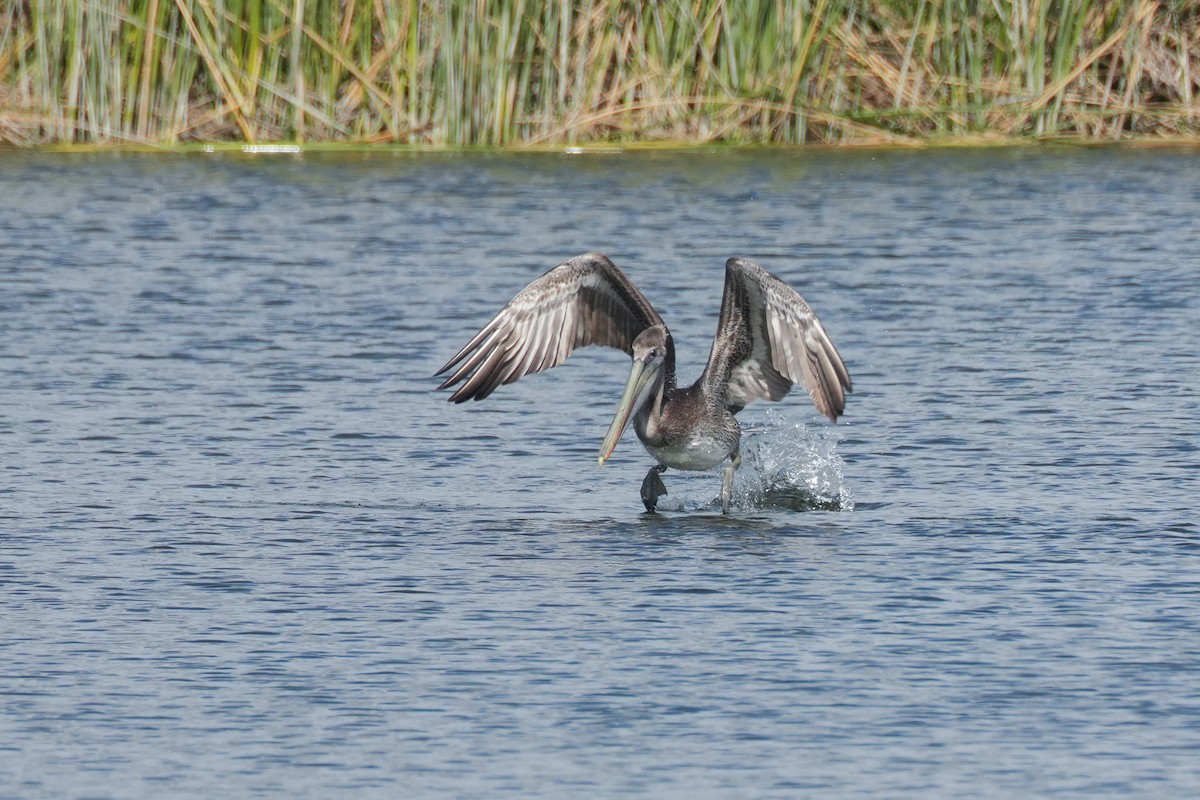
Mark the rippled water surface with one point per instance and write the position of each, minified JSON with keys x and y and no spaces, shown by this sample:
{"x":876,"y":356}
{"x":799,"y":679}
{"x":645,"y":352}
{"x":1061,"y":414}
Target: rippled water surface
{"x":246,"y":549}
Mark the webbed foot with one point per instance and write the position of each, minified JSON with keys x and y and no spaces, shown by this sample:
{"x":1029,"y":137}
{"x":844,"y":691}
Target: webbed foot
{"x":653,"y":488}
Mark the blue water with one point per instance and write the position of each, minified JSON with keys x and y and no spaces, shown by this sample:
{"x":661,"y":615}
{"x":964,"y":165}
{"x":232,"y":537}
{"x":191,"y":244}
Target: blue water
{"x":246,"y":549}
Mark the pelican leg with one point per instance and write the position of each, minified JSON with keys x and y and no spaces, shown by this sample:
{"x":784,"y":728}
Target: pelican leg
{"x":652,"y":487}
{"x":727,"y":482}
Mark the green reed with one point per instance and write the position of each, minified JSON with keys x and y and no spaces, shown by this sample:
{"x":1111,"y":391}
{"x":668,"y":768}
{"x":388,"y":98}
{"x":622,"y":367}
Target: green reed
{"x":504,"y":72}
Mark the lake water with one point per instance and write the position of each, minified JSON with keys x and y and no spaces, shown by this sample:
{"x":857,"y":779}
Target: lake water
{"x":247,"y":549}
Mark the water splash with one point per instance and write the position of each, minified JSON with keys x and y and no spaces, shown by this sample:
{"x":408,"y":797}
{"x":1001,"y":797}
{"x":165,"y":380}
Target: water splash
{"x":788,"y":466}
{"x":785,"y":466}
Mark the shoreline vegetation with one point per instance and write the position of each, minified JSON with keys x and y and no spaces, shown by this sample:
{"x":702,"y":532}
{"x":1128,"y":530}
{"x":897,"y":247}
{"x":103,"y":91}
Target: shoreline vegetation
{"x":595,"y":73}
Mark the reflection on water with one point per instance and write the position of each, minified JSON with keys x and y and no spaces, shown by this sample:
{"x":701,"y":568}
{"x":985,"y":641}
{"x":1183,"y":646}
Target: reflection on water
{"x":246,"y":547}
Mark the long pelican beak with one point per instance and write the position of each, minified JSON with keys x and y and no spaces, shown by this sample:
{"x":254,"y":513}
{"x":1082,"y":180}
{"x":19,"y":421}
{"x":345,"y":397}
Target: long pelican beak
{"x":637,"y":390}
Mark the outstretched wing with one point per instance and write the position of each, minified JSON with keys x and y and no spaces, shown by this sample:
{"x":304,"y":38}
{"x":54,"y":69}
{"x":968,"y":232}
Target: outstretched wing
{"x":586,"y":300}
{"x":769,"y":339}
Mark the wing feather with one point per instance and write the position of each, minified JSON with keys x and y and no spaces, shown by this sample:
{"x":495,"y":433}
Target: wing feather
{"x":546,"y":335}
{"x":584,"y":301}
{"x":769,"y":339}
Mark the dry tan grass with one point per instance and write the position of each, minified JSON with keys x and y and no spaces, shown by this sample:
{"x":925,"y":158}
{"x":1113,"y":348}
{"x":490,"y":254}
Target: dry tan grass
{"x":534,"y":72}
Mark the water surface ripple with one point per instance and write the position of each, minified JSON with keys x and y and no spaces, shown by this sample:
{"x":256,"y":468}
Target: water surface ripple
{"x":246,"y":550}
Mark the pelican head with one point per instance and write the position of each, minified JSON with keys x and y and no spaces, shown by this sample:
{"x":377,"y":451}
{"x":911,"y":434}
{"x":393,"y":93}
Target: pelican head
{"x":645,"y":381}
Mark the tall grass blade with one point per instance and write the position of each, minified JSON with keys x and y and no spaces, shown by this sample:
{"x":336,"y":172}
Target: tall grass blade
{"x":513,"y":72}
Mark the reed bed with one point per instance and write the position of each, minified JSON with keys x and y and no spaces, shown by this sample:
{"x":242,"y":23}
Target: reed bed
{"x":530,"y":72}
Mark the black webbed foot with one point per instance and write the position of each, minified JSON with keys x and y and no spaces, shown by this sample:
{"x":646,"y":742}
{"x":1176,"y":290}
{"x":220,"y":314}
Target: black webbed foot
{"x":653,"y":488}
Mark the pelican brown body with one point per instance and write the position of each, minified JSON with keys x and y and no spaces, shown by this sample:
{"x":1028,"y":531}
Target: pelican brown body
{"x":767,"y":340}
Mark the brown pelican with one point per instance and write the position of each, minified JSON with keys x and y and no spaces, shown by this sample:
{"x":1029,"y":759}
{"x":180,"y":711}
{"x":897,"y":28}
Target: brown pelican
{"x":767,"y":339}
